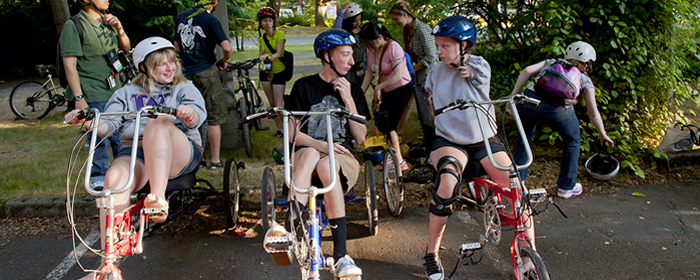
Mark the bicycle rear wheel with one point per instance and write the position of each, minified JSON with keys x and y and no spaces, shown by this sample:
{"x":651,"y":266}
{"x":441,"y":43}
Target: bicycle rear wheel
{"x":268,"y":195}
{"x":232,"y":192}
{"x":29,"y":100}
{"x":393,"y":185}
{"x":537,"y":271}
{"x":245,"y":128}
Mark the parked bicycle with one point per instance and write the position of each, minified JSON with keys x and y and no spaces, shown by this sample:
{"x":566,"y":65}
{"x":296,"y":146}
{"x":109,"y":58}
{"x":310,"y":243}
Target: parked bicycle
{"x":125,"y":229}
{"x":34,"y":100}
{"x":303,"y":241}
{"x":248,"y":100}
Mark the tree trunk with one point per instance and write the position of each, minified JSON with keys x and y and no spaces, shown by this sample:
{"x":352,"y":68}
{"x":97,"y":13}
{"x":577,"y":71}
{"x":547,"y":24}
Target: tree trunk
{"x":318,"y":18}
{"x":59,"y":8}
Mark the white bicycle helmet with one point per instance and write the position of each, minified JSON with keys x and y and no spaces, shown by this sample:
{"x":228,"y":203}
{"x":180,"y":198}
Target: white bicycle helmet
{"x":148,"y":46}
{"x":602,"y":167}
{"x":580,"y":51}
{"x":353,"y":10}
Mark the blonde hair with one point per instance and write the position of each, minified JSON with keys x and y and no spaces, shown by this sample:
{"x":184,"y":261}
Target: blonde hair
{"x":399,"y":8}
{"x":148,"y":81}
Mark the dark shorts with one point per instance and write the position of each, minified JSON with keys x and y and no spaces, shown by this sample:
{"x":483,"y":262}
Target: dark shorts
{"x":476,"y":151}
{"x":195,"y":158}
{"x":393,"y":104}
{"x":275,"y":79}
{"x":209,"y":84}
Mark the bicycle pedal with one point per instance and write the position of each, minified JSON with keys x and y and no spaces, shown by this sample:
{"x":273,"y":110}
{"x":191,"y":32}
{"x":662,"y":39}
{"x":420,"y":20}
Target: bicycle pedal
{"x":154,"y":212}
{"x":471,"y":246}
{"x":537,"y":195}
{"x":278,"y":245}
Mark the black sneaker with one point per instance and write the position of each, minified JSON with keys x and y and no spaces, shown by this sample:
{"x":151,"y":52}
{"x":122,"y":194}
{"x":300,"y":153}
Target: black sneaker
{"x":433,"y":267}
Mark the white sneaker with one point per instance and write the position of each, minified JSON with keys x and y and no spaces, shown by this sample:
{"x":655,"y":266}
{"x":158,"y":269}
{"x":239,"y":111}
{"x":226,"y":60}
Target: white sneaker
{"x":578,"y":189}
{"x":345,"y":267}
{"x":433,"y":267}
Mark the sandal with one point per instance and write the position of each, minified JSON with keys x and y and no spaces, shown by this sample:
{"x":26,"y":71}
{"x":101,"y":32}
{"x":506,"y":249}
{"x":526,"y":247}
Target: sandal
{"x":219,"y":164}
{"x":156,"y":208}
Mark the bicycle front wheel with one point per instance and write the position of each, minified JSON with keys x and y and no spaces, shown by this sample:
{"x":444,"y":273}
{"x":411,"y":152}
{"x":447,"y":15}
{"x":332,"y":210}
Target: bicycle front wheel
{"x":536,"y":271}
{"x":255,"y":104}
{"x":245,"y":128}
{"x":30,"y":100}
{"x":268,"y":197}
{"x":232,"y":192}
{"x":393,"y":185}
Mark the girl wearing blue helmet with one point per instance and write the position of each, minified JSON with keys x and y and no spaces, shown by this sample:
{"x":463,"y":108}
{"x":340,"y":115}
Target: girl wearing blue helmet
{"x":329,"y":89}
{"x":458,"y":139}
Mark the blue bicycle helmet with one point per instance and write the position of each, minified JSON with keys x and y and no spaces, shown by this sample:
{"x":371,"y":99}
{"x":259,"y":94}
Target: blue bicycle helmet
{"x":331,"y":38}
{"x":458,"y":27}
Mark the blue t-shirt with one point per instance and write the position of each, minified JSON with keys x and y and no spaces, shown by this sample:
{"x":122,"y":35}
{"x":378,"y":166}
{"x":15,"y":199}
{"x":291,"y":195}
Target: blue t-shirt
{"x":198,"y":37}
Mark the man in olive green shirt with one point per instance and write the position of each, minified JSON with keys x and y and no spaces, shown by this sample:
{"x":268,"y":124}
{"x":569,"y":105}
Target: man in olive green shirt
{"x":92,"y":76}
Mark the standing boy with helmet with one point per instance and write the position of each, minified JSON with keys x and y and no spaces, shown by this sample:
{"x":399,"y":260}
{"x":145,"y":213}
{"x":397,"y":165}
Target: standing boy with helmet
{"x":92,"y":68}
{"x":329,"y":89}
{"x":458,"y":140}
{"x":562,"y":119}
{"x":197,"y":33}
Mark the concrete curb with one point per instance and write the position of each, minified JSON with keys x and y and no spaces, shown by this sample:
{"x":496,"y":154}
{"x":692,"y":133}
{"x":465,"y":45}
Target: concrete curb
{"x":45,"y":206}
{"x":84,"y":205}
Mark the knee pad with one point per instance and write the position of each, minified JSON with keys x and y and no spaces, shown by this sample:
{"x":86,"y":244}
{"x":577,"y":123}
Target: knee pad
{"x":441,"y":210}
{"x":442,"y":170}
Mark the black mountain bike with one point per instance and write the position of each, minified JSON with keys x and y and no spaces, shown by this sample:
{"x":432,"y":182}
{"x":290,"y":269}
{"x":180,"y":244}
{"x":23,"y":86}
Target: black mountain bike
{"x":34,"y":100}
{"x":247,"y":99}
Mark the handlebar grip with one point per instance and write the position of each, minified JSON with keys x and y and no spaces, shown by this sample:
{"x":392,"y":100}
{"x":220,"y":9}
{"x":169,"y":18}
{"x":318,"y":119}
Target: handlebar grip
{"x":82,"y":114}
{"x":165,"y":110}
{"x":357,"y":118}
{"x":253,"y":117}
{"x":525,"y":99}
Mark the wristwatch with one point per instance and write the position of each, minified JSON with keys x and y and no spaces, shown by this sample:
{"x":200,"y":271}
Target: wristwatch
{"x":78,"y":97}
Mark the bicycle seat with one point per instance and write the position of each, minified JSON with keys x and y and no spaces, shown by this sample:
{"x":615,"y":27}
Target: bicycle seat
{"x":473,"y":169}
{"x":43,"y":67}
{"x":183,"y":182}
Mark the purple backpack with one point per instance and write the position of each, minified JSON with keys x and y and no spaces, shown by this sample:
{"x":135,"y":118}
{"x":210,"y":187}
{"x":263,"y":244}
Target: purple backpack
{"x":560,"y":84}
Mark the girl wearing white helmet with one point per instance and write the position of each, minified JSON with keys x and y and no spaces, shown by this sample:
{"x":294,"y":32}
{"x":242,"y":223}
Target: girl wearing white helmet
{"x":561,"y":119}
{"x":349,"y":18}
{"x":420,"y":45}
{"x":160,"y":155}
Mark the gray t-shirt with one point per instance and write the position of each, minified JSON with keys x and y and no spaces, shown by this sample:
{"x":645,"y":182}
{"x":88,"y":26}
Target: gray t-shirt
{"x":461,"y":126}
{"x":133,"y":97}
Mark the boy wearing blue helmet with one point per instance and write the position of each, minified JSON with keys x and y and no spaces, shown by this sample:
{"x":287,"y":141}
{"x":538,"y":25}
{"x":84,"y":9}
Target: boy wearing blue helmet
{"x":458,"y":139}
{"x":330,"y":89}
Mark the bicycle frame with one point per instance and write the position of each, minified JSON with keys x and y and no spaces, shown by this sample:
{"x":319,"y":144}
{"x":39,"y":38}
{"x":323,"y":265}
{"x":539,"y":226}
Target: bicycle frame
{"x":243,"y":77}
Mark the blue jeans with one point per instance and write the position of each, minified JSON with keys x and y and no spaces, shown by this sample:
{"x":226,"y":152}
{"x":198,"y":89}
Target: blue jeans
{"x":562,"y":120}
{"x":101,"y":158}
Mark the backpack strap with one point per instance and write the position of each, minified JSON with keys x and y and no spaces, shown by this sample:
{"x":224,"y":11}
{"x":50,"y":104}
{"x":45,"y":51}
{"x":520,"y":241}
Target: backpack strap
{"x":273,"y":50}
{"x":78,"y":27}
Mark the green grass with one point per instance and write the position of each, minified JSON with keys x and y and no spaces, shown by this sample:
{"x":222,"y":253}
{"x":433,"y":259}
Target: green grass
{"x":253,"y":52}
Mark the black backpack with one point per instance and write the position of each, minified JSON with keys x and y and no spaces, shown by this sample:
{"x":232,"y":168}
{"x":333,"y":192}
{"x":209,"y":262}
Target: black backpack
{"x":60,"y":71}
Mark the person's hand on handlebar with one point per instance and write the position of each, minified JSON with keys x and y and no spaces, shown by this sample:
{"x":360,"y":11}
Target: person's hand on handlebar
{"x":73,"y":117}
{"x":186,"y":114}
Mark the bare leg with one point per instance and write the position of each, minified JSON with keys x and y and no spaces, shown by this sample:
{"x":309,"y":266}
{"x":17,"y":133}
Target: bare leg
{"x":214,"y":135}
{"x":305,"y":163}
{"x":278,"y":94}
{"x":161,"y":140}
{"x":334,"y":200}
{"x":394,"y":142}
